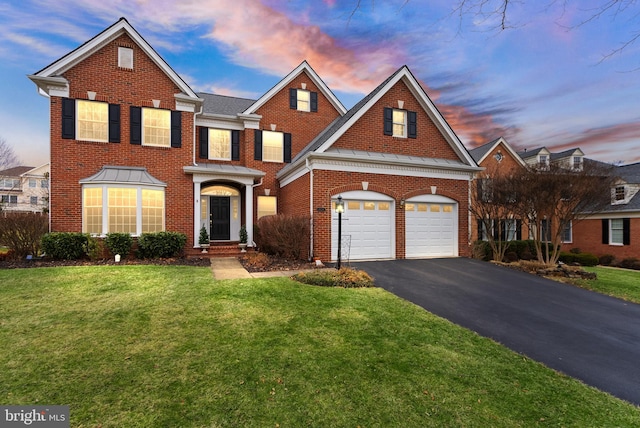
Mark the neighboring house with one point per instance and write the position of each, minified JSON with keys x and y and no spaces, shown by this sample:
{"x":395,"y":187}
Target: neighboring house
{"x":134,"y":149}
{"x":616,"y":230}
{"x":496,"y":157}
{"x":25,"y":189}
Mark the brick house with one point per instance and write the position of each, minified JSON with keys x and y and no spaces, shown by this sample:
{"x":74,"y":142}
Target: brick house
{"x":497,"y":157}
{"x":25,"y":189}
{"x":134,"y":149}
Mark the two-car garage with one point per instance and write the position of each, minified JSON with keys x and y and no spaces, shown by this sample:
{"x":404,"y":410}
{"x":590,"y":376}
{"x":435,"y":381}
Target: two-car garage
{"x":369,"y":226}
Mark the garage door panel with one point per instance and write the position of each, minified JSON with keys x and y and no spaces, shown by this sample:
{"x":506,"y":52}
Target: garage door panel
{"x":430,"y":230}
{"x":369,"y":227}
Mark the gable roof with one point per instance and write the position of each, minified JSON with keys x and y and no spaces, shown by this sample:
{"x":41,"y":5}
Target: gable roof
{"x":479,"y":153}
{"x":224,"y":105}
{"x":53,"y":72}
{"x":303,"y":67}
{"x":339,"y":126}
{"x":526,"y":154}
{"x":566,"y":154}
{"x":629,"y":173}
{"x":16,"y":171}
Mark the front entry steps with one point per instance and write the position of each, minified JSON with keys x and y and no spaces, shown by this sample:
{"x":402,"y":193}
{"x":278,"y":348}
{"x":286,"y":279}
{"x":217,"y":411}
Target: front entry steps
{"x":219,"y":249}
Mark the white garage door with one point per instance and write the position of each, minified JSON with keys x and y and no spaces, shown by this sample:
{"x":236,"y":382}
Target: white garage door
{"x":367,"y":230}
{"x":431,"y":228}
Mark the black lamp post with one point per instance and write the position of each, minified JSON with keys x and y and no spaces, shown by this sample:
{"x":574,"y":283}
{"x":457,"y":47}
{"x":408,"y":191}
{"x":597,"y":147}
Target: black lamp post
{"x":339,"y":210}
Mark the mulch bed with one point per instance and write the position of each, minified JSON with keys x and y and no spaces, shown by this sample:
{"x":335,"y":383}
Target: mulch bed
{"x":268,"y":263}
{"x":182,"y":261}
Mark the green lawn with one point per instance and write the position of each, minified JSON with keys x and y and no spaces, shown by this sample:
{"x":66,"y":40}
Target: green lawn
{"x":158,"y":346}
{"x":621,"y":283}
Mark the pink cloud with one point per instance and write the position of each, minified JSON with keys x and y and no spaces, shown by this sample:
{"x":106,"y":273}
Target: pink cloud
{"x":598,"y":142}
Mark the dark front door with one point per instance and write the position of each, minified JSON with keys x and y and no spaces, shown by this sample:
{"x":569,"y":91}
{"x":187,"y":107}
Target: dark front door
{"x":219,"y":218}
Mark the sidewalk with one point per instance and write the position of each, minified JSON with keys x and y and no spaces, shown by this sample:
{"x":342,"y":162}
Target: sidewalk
{"x":231,"y":268}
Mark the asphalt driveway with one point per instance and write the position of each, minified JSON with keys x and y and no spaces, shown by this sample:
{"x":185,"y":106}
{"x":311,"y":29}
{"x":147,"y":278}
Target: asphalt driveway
{"x":586,"y":335}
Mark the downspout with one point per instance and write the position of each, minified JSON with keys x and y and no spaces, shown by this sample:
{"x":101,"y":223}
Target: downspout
{"x":306,"y":162}
{"x":194,"y":133}
{"x":251,"y":213}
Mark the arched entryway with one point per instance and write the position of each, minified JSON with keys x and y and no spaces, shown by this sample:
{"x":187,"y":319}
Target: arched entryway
{"x":220,"y":211}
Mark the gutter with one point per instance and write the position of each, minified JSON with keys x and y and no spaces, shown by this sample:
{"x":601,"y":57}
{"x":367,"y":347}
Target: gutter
{"x":308,"y":166}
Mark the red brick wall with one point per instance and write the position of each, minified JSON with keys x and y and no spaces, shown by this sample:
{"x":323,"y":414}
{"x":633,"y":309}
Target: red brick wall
{"x":587,"y":236}
{"x":368,"y":133}
{"x":73,"y":160}
{"x":328,"y":184}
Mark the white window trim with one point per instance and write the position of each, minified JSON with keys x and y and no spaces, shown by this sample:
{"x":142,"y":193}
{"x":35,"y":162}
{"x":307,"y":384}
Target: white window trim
{"x":616,"y":244}
{"x":211,"y":142}
{"x":94,"y":140}
{"x":274,"y":198}
{"x":281,"y":159}
{"x":307,"y":101}
{"x":168,"y":145}
{"x":404,"y":124}
{"x":105,"y":204}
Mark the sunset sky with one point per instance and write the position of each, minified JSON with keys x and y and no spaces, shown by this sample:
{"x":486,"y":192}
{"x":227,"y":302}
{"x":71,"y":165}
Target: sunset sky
{"x":555,"y":77}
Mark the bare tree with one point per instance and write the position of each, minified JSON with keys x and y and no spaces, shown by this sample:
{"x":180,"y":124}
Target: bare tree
{"x":8,"y":157}
{"x":554,"y":197}
{"x":492,"y":200}
{"x":500,"y":12}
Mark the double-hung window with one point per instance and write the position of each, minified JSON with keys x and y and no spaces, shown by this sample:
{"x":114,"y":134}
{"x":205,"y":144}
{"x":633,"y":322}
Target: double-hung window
{"x":32,"y":183}
{"x":617,"y":231}
{"x":400,"y":123}
{"x":272,"y":146}
{"x":93,"y":121}
{"x":87,"y":120}
{"x":219,"y":144}
{"x":156,"y":127}
{"x":567,"y":233}
{"x":303,"y":100}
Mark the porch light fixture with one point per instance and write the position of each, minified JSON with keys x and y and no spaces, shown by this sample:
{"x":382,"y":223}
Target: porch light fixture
{"x":339,"y":210}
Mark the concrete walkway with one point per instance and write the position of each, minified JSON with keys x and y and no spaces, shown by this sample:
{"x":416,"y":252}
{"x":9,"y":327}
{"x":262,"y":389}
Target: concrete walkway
{"x":231,"y":268}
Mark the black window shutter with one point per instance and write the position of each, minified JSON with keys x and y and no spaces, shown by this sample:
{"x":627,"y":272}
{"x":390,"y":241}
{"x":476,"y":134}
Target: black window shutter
{"x":114,"y":123}
{"x":257,"y":145}
{"x":287,"y":148}
{"x":388,"y":121}
{"x":204,"y":143}
{"x":480,"y":227}
{"x":503,"y":230}
{"x":314,"y":101}
{"x":626,"y":231}
{"x":293,"y":98}
{"x":136,"y":125}
{"x":519,"y":230}
{"x":68,"y":118}
{"x":605,"y":231}
{"x":235,"y":145}
{"x":176,"y":129}
{"x":496,"y":229}
{"x":412,"y":119}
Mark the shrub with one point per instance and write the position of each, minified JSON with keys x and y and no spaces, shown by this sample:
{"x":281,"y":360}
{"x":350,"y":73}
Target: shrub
{"x":630,"y":263}
{"x":345,"y":277}
{"x":284,"y":236}
{"x":256,"y":260}
{"x":161,"y":245}
{"x":23,"y":232}
{"x":65,"y":245}
{"x":607,"y":259}
{"x":575,"y":251}
{"x":481,"y":250}
{"x":119,"y":243}
{"x":94,"y":248}
{"x":583,"y":259}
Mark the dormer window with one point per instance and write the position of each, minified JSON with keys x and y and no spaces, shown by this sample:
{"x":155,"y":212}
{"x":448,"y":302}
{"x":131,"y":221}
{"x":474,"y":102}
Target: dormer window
{"x":620,"y":194}
{"x":577,"y":163}
{"x":543,"y":160}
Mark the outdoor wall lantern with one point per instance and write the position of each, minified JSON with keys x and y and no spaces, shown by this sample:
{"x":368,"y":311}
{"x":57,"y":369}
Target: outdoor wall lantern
{"x":339,"y":210}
